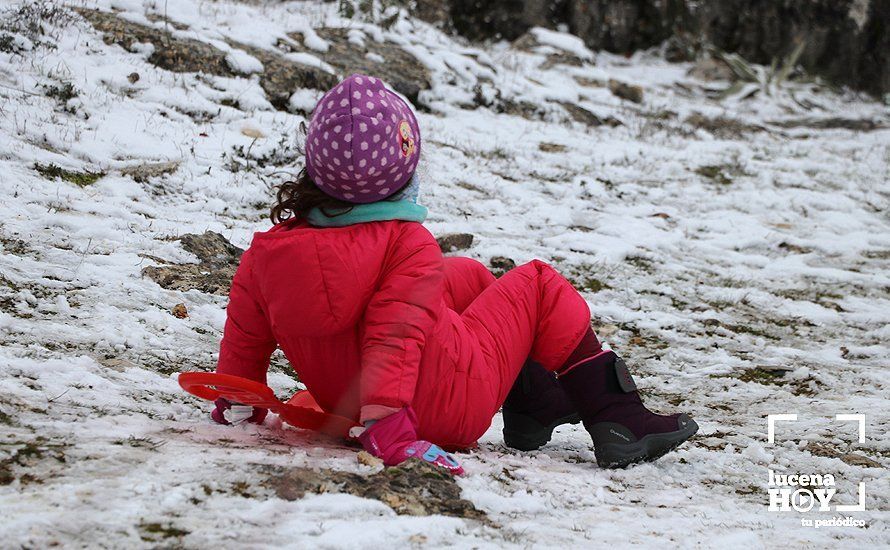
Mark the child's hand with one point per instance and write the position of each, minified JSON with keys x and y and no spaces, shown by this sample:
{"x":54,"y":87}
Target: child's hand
{"x":394,"y":439}
{"x":227,"y":413}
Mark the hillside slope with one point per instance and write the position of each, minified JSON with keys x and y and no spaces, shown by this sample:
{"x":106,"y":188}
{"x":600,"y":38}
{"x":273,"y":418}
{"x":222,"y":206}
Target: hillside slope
{"x":734,"y":247}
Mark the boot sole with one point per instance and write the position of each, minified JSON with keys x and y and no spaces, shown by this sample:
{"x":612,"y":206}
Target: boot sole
{"x":647,"y":449}
{"x":527,"y":434}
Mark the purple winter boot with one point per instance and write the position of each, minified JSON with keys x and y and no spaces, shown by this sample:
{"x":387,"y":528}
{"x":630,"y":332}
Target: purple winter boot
{"x":623,"y":430}
{"x":535,"y":406}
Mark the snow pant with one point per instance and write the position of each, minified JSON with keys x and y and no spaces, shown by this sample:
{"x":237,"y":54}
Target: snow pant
{"x":497,"y":324}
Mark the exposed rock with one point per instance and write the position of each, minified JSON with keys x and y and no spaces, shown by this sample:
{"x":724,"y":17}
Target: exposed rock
{"x":561,"y":59}
{"x":590,"y":82}
{"x":832,"y":123}
{"x":711,"y":69}
{"x":414,"y":488}
{"x":626,"y":91}
{"x":398,"y":68}
{"x":853,"y":459}
{"x":846,"y":40}
{"x":431,"y":11}
{"x":500,"y":265}
{"x":503,"y":19}
{"x":529,"y":42}
{"x":280,"y":78}
{"x":521,"y":108}
{"x":582,"y":115}
{"x":682,"y":47}
{"x":171,"y":53}
{"x":455,"y":241}
{"x":552,"y":147}
{"x":180,"y":311}
{"x":144,"y":172}
{"x":821,"y":449}
{"x":721,"y":127}
{"x":211,"y":247}
{"x":218,"y":261}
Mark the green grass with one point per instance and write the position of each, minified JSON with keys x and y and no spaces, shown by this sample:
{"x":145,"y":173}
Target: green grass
{"x":715,"y":173}
{"x":154,"y":531}
{"x":80,"y":179}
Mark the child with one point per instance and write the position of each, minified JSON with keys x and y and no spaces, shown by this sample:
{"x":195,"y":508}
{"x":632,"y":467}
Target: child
{"x":421,"y":350}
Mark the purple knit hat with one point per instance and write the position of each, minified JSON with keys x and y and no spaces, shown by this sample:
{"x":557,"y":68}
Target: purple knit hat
{"x":363,"y":142}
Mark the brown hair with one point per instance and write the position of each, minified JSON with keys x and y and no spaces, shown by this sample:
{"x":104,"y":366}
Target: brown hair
{"x":297,"y":197}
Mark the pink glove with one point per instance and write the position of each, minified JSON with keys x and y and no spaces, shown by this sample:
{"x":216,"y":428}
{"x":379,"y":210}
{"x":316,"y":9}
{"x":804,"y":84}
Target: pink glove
{"x":394,"y":439}
{"x":227,"y":413}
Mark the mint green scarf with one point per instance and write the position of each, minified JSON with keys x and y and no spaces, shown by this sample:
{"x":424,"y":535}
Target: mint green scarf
{"x":404,"y":207}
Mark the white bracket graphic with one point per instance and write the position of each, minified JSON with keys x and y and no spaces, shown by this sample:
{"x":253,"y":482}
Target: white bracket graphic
{"x":854,"y":507}
{"x":771,"y":424}
{"x":857,"y":417}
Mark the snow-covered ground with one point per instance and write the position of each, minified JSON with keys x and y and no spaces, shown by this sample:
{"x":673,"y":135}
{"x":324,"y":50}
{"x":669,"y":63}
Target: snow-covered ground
{"x":716,"y":242}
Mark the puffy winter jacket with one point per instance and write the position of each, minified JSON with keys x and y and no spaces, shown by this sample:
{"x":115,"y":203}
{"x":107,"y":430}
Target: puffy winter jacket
{"x":365,"y":314}
{"x":352,"y":309}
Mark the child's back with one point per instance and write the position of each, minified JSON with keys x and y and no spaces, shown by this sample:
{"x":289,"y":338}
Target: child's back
{"x":335,"y":299}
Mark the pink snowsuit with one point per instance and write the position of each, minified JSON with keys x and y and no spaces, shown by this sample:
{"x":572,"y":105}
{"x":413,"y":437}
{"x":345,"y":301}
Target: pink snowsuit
{"x":373,"y":319}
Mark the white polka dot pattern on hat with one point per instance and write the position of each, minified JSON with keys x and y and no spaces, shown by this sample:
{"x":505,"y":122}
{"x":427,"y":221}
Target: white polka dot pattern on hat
{"x":356,"y":139}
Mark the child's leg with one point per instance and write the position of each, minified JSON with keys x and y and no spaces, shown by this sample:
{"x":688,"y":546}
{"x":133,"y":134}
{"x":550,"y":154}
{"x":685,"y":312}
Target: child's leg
{"x":530,"y":311}
{"x":534,"y":311}
{"x":465,"y":279}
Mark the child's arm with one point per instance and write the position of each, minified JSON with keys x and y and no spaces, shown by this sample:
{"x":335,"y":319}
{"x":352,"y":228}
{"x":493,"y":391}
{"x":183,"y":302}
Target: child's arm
{"x":247,"y":342}
{"x":400,"y":314}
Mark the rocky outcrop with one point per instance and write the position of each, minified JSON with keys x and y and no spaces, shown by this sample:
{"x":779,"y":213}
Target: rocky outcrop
{"x":846,"y":40}
{"x":362,"y":54}
{"x":279,"y":79}
{"x":218,"y":260}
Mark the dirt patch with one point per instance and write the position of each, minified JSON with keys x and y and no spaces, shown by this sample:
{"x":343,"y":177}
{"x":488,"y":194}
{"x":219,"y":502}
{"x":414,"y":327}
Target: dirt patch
{"x":219,"y":260}
{"x":389,"y":61}
{"x":415,"y":488}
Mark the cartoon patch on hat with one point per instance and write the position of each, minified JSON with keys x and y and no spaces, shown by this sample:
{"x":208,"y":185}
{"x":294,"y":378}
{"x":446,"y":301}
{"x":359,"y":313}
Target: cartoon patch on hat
{"x":406,"y":139}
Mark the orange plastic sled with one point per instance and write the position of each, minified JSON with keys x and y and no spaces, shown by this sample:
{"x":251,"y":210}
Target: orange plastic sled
{"x":301,"y":410}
